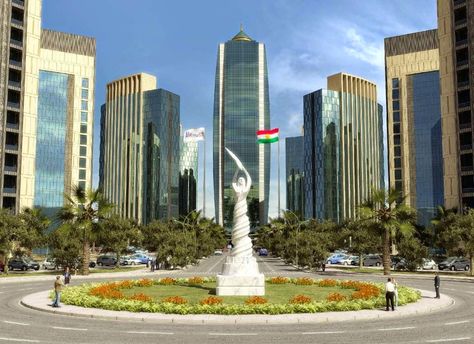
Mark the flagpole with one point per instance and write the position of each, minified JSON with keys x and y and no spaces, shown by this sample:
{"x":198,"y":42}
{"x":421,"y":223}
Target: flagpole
{"x":278,"y":177}
{"x":204,"y":182}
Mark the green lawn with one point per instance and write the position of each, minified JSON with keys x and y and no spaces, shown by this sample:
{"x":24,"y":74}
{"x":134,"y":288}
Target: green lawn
{"x":274,"y":293}
{"x":60,"y":272}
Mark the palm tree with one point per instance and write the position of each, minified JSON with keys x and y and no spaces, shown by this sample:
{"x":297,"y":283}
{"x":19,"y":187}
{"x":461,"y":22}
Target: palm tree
{"x":82,"y":212}
{"x":388,"y":215}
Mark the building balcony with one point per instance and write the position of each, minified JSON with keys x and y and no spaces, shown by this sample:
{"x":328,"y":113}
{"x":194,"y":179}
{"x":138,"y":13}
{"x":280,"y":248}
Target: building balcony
{"x":461,"y":125}
{"x":461,"y":147}
{"x":460,"y":22}
{"x":462,"y":64}
{"x":467,"y":168}
{"x":464,"y":105}
{"x":11,"y":190}
{"x":14,"y":126}
{"x":14,"y":84}
{"x":467,"y":190}
{"x":17,"y":44}
{"x":15,"y":64}
{"x":461,"y":42}
{"x":463,"y":84}
{"x":10,"y":168}
{"x":13,"y":105}
{"x":19,"y":3}
{"x":11,"y":147}
{"x":458,"y":2}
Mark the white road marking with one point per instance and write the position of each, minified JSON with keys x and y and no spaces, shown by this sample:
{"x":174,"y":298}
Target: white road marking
{"x":69,"y":328}
{"x":24,"y":289}
{"x":447,"y":340}
{"x":149,"y":332}
{"x":457,"y":322}
{"x":15,"y":323}
{"x":449,"y":289}
{"x":396,"y":328}
{"x":231,"y":334}
{"x":20,"y":340}
{"x":324,"y":332}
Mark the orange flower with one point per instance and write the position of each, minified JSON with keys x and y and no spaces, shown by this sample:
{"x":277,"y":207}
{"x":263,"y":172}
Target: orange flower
{"x":141,"y":297}
{"x":196,"y":280}
{"x":335,"y":297}
{"x":304,"y":281}
{"x":211,"y":300}
{"x":300,"y":299}
{"x":177,"y":300}
{"x":327,"y":283}
{"x":256,"y":300}
{"x":145,"y":282}
{"x":279,"y":280}
{"x":167,"y":281}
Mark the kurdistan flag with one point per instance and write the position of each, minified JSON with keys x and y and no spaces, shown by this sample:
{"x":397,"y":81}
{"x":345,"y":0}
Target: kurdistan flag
{"x":268,"y":136}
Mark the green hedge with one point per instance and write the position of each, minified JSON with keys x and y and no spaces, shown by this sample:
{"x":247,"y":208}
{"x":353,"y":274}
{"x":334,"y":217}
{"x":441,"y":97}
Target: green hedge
{"x":79,"y":296}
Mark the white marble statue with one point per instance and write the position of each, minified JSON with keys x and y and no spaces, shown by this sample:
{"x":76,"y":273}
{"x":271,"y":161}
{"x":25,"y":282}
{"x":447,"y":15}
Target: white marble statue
{"x":240,"y":274}
{"x":241,"y":229}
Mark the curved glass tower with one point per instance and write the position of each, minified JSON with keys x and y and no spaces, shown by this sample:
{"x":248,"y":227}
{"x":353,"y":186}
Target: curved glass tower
{"x":241,"y":107}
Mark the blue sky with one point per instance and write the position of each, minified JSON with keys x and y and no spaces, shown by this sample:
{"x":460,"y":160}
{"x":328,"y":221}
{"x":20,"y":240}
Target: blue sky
{"x":306,"y":41}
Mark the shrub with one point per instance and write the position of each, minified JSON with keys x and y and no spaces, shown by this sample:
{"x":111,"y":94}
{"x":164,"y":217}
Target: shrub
{"x":211,"y":300}
{"x":335,"y":297}
{"x":127,"y":284}
{"x":300,"y":299}
{"x":327,"y":283}
{"x":304,"y":281}
{"x":107,"y":291}
{"x":177,"y":300}
{"x":144,"y":282}
{"x":141,"y":297}
{"x":279,"y":280}
{"x":256,"y":300}
{"x":167,"y":281}
{"x":349,"y":284}
{"x":195,"y":280}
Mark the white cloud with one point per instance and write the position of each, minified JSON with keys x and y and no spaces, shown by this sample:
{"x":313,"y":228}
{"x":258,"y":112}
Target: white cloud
{"x":370,"y":52}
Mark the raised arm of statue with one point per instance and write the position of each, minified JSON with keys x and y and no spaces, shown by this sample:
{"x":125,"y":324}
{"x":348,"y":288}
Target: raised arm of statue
{"x":238,"y":187}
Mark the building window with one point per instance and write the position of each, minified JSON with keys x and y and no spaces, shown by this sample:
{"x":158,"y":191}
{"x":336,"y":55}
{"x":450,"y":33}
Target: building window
{"x":399,"y":185}
{"x":395,"y":105}
{"x":85,"y":93}
{"x":395,"y":94}
{"x":396,"y":128}
{"x":397,"y":151}
{"x":85,"y":83}
{"x":82,"y":185}
{"x":83,"y":116}
{"x":395,"y":83}
{"x":84,"y":105}
{"x":396,"y":116}
{"x":82,"y":162}
{"x":396,"y":139}
{"x":83,"y":151}
{"x":83,"y":128}
{"x":398,"y":174}
{"x":82,"y":174}
{"x":83,"y":139}
{"x":397,"y":162}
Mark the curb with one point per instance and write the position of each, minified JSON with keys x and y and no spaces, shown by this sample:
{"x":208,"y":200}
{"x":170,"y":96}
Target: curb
{"x":38,"y":302}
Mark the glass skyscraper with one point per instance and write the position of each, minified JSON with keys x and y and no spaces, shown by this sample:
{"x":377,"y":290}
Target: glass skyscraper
{"x":343,"y":147}
{"x":414,"y":136}
{"x":241,"y":107}
{"x":188,"y":176}
{"x":140,"y":148}
{"x":295,"y":175}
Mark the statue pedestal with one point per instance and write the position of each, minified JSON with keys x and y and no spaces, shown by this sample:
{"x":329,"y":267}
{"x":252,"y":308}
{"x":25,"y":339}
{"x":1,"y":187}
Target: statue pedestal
{"x":240,"y":276}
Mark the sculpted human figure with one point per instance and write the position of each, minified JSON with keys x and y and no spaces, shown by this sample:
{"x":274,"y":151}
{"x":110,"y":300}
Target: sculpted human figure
{"x":241,"y":229}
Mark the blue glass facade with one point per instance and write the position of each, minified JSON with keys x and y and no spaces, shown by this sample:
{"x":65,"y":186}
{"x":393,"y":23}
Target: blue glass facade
{"x":295,"y":174}
{"x":321,"y":155}
{"x":241,"y":107}
{"x":51,"y":140}
{"x":428,"y":144}
{"x":161,"y":110}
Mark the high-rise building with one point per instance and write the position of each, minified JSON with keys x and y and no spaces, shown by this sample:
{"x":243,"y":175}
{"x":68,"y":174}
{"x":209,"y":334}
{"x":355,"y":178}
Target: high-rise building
{"x":295,"y":175}
{"x":46,"y":107}
{"x":343,"y":147}
{"x":415,"y":155}
{"x":188,"y":176}
{"x":456,"y":46}
{"x":140,"y":148}
{"x":241,"y":107}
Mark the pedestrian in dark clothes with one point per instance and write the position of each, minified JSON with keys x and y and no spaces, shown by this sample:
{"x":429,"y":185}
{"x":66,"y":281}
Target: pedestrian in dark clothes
{"x":67,"y":276}
{"x":436,"y":284}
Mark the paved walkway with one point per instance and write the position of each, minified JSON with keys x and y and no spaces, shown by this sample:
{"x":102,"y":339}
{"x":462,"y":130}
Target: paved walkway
{"x":40,"y":301}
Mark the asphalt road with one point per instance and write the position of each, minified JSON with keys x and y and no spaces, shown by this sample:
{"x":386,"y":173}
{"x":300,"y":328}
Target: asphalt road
{"x":454,"y":325}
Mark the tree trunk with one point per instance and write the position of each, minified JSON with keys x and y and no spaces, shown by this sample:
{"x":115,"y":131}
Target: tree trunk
{"x":386,"y":252}
{"x":86,"y":256}
{"x":118,"y":260}
{"x":361,"y":262}
{"x":471,"y":269}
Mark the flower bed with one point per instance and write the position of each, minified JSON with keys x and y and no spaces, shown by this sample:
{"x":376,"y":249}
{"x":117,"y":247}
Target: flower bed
{"x":122,"y":296}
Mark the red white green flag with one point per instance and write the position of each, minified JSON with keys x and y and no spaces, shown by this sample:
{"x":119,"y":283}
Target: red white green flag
{"x":268,"y":136}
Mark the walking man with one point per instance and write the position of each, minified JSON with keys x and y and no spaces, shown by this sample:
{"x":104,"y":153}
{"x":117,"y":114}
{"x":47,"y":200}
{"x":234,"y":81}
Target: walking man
{"x":436,"y":284}
{"x":67,"y":276}
{"x":58,"y":285}
{"x":389,"y":294}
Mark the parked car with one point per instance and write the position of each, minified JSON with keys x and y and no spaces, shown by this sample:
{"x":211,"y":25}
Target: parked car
{"x":398,"y":263}
{"x":355,"y":260}
{"x":373,"y":260}
{"x":218,"y":253}
{"x":106,"y":261}
{"x":455,"y":263}
{"x":333,"y":259}
{"x":342,"y":260}
{"x":428,"y":264}
{"x":263,"y":252}
{"x":143,"y":258}
{"x":22,"y":264}
{"x":49,"y":264}
{"x":129,"y":260}
{"x":348,"y":260}
{"x":2,"y":266}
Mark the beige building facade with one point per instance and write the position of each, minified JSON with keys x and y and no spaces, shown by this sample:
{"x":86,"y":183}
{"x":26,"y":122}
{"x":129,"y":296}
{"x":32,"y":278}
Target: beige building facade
{"x":414,"y":120}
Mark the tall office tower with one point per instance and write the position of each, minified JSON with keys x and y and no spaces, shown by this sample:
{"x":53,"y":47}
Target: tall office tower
{"x":295,"y":175}
{"x":46,"y":107}
{"x":188,"y":176}
{"x":456,"y":46}
{"x":415,"y":155}
{"x":140,"y":148}
{"x":343,"y":147}
{"x":241,"y":107}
